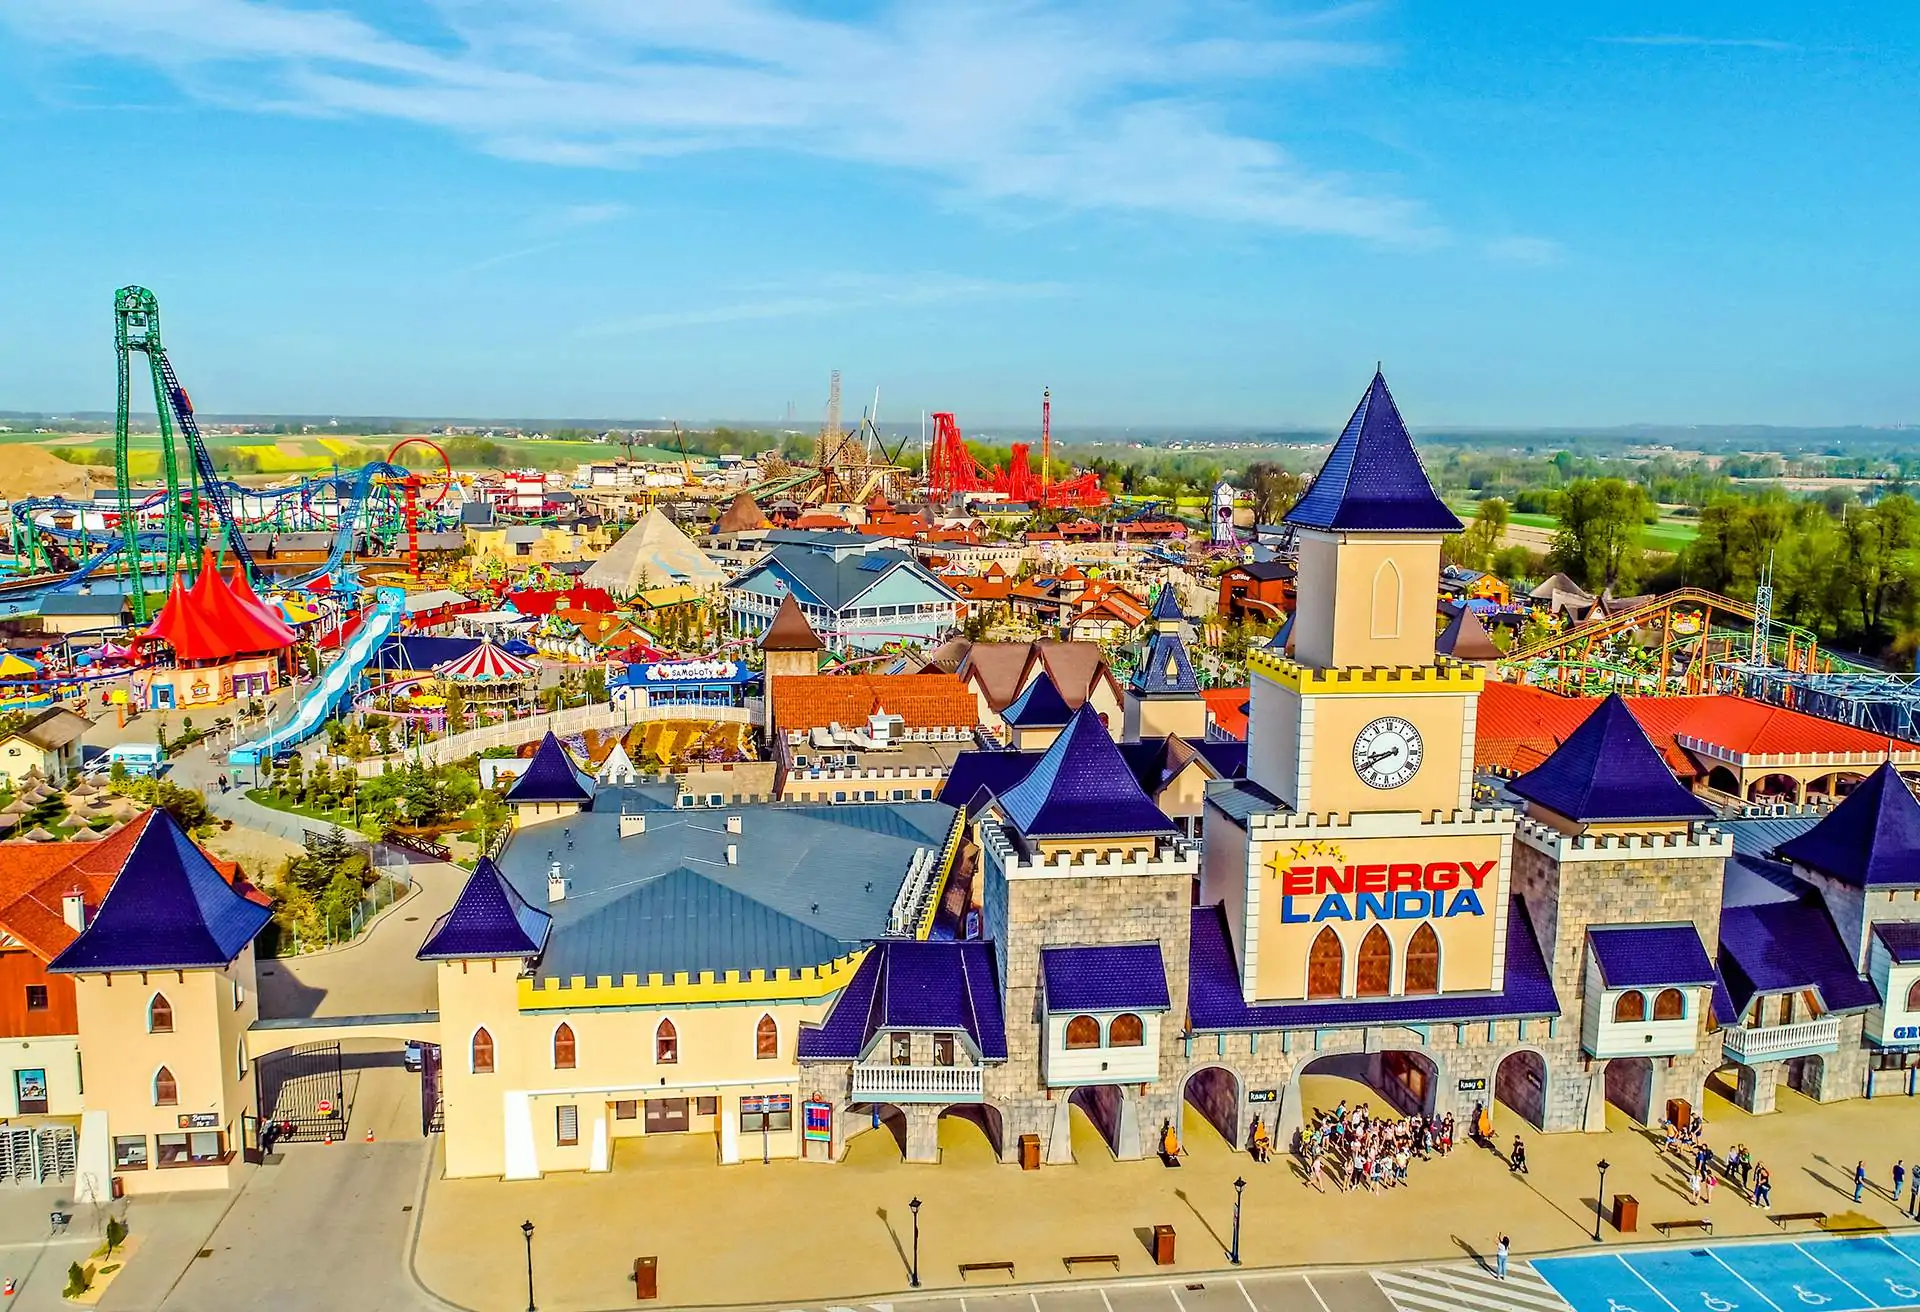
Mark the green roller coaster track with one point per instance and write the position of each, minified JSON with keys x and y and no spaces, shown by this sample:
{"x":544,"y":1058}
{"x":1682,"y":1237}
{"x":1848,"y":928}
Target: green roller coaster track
{"x":136,"y":327}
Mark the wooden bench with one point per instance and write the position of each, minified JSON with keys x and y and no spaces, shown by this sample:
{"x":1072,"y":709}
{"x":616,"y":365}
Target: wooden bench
{"x":969,"y":1268}
{"x":1692,"y":1223}
{"x":1079,"y":1258}
{"x":1781,"y":1218}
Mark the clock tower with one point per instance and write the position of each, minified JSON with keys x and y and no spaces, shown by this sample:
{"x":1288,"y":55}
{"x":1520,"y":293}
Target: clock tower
{"x":1371,"y":876}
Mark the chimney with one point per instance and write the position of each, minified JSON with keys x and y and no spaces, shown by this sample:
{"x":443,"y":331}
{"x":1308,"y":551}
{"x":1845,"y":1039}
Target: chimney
{"x":73,"y":910}
{"x":733,"y":824}
{"x":632,"y":825}
{"x":733,"y":854}
{"x":556,"y":884}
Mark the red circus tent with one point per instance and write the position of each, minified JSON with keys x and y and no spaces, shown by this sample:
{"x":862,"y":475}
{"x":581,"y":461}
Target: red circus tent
{"x":208,"y":622}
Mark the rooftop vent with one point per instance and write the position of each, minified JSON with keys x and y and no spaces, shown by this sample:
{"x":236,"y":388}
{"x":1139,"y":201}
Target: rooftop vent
{"x":556,"y":884}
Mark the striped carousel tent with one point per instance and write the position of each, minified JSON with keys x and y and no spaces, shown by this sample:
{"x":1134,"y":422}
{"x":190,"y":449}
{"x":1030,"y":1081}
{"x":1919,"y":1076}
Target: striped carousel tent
{"x":486,"y":664}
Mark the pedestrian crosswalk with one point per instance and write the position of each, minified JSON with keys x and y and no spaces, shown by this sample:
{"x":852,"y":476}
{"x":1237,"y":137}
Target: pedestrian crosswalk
{"x":1468,"y":1287}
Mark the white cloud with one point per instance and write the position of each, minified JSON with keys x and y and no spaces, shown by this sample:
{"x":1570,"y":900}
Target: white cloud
{"x":828,"y":294}
{"x":1061,"y":104}
{"x":1679,"y":39}
{"x":1536,"y":251}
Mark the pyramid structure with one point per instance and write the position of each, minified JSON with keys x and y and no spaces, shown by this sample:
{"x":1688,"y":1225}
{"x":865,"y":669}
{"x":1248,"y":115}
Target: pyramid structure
{"x":652,"y":554}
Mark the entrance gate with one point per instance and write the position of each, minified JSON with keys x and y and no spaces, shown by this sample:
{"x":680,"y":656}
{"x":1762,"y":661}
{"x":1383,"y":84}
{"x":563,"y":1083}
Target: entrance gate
{"x":432,"y":1104}
{"x":304,"y":1088}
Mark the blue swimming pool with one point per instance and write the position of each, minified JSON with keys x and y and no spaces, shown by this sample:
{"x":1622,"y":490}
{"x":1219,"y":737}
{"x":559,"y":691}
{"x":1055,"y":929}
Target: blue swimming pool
{"x":1833,"y":1274}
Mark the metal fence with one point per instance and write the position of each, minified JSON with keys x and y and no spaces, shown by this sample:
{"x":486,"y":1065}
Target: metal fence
{"x":561,"y":724}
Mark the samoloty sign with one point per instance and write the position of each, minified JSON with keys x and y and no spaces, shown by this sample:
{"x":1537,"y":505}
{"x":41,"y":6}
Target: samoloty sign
{"x":1400,"y":890}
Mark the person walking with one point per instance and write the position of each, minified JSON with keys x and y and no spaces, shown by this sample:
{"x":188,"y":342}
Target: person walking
{"x":1899,"y":1178}
{"x":1694,"y":1186}
{"x":1708,"y":1182}
{"x":1500,"y":1258}
{"x":1859,"y":1181}
{"x":1518,"y":1162}
{"x":1762,"y":1187}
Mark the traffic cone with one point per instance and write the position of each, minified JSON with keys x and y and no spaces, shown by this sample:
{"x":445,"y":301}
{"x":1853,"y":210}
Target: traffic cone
{"x":369,"y":1136}
{"x":7,"y":1290}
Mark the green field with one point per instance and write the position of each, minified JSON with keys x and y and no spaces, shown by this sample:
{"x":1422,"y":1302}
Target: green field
{"x":1669,"y":534}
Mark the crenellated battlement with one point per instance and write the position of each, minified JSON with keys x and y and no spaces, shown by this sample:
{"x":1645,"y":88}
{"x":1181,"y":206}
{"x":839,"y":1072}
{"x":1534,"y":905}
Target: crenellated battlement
{"x":1444,"y":675}
{"x":1696,"y":841}
{"x":1123,"y":858}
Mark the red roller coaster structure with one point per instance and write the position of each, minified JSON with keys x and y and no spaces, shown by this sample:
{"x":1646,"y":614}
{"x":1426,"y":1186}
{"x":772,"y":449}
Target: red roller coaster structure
{"x":953,"y":471}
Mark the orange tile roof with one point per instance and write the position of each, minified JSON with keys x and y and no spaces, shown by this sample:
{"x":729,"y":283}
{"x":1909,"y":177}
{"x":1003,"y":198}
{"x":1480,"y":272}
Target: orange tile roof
{"x":1518,"y":727}
{"x":1228,"y":706}
{"x":35,"y":879}
{"x":930,"y":700}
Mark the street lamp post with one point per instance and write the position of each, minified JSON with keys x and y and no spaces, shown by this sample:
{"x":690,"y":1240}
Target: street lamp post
{"x":1239,"y":1188}
{"x":1600,"y":1202}
{"x":913,"y":1276}
{"x":526,"y":1228}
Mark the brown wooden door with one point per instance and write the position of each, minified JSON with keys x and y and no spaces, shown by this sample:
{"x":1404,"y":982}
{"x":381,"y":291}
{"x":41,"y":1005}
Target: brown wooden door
{"x":666,"y":1115}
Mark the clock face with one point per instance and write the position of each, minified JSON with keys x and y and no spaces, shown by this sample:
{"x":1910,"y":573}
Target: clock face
{"x":1387,"y":753}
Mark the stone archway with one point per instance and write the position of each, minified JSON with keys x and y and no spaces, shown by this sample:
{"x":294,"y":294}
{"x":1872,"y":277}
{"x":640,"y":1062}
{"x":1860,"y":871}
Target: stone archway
{"x":1520,"y":1084}
{"x":1408,"y":1081}
{"x":1102,"y":1105}
{"x":1774,"y":788}
{"x":965,"y":1127}
{"x":882,"y":1120}
{"x":1723,"y":780}
{"x":1630,"y":1086}
{"x":1214,"y":1092}
{"x":1804,"y":1075}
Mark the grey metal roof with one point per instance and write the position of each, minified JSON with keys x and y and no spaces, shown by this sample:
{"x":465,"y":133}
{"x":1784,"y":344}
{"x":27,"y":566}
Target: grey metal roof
{"x":811,"y":883}
{"x":1242,"y":798}
{"x":837,"y":583}
{"x":80,"y":603}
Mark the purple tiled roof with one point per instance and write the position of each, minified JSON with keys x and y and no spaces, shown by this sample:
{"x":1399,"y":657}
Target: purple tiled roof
{"x":1166,"y":606}
{"x":1650,"y":956}
{"x":488,"y":919}
{"x":1165,"y":670}
{"x":1372,"y":480}
{"x":991,"y":771}
{"x":1228,"y":759}
{"x":1776,"y":946}
{"x":168,"y":909}
{"x":1214,"y":1001}
{"x":1039,"y":706}
{"x":1608,"y":769}
{"x":550,"y":777}
{"x":907,"y":984}
{"x":1081,"y":788}
{"x":1902,"y":938}
{"x":1872,"y":839}
{"x":1113,"y":977}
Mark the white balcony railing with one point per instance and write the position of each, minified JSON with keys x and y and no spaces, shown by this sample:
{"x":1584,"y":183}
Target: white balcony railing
{"x":1751,"y":1043}
{"x":917,"y":1084}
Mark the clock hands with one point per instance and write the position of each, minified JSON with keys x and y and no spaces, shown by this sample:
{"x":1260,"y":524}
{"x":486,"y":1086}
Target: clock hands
{"x":1377,"y":757}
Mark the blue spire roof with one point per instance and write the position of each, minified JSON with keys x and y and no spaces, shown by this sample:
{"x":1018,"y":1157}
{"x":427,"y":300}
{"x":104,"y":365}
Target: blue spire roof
{"x":1281,"y":636}
{"x":1039,"y":706}
{"x":1082,"y":788}
{"x":488,"y":919}
{"x":1373,"y":480}
{"x":1165,"y":669}
{"x":1608,"y":769}
{"x":168,"y":909}
{"x":550,"y":777}
{"x":1871,"y":839}
{"x":1166,"y":606}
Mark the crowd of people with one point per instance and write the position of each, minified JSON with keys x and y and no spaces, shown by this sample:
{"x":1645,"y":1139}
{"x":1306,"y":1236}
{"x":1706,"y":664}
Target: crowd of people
{"x":1705,"y":1171}
{"x":1358,"y":1150}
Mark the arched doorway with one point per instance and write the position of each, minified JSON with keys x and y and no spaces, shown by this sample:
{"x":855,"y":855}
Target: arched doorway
{"x":1100,"y":1105}
{"x":970,"y":1132}
{"x":877,"y":1132}
{"x":1723,"y":780}
{"x":1214,"y":1092}
{"x":1630,"y":1086}
{"x":1804,"y":1075}
{"x":1775,"y":788}
{"x":1520,"y":1083}
{"x":1406,"y":1081}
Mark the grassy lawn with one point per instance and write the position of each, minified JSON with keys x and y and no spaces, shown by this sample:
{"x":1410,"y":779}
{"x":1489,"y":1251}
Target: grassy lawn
{"x":1669,"y":534}
{"x":274,"y":802}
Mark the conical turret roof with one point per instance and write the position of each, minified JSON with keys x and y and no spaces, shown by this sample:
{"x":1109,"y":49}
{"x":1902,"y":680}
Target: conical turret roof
{"x":1608,"y":769}
{"x":1872,"y":839}
{"x":1372,"y":481}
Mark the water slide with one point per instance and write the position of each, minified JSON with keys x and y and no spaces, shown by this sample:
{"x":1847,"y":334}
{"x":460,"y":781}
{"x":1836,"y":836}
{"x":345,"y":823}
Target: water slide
{"x":335,"y":684}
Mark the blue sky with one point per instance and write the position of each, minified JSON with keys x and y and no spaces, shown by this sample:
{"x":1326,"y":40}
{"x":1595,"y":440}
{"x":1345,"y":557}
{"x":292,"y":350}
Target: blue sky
{"x":1215,"y":212}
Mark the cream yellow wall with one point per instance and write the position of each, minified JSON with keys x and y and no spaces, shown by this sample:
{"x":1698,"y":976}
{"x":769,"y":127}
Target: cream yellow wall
{"x":614,"y":1061}
{"x":1344,"y":619}
{"x":1288,"y":871}
{"x":58,"y":1056}
{"x":1156,"y":717}
{"x":1443,"y":781}
{"x":121,"y":1058}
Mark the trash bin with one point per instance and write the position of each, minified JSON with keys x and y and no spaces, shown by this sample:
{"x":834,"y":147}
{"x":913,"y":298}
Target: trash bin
{"x":1029,"y":1152}
{"x":1163,"y":1245}
{"x":1626,"y":1213}
{"x":119,"y":1188}
{"x":646,"y":1278}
